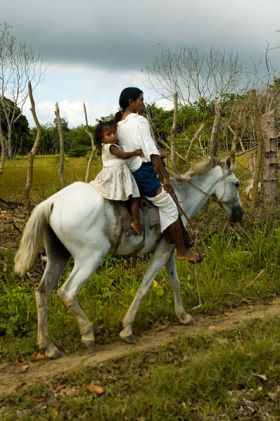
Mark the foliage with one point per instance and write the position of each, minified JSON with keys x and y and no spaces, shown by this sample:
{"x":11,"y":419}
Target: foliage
{"x":22,"y":140}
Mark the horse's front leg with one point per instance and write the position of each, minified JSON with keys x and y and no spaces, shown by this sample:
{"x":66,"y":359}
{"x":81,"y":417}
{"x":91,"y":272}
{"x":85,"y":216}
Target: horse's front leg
{"x":180,"y":312}
{"x":160,"y":258}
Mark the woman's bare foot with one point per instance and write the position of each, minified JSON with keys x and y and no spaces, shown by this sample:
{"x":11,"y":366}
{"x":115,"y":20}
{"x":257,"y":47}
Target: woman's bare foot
{"x":189,"y":256}
{"x":136,"y":227}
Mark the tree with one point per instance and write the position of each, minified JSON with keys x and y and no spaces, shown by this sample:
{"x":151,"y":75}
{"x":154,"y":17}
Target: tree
{"x":21,"y":134}
{"x":195,"y":73}
{"x":18,"y":65}
{"x":199,"y":77}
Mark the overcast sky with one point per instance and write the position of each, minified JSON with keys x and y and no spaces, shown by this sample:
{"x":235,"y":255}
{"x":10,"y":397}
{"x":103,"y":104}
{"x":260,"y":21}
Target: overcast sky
{"x":95,"y":48}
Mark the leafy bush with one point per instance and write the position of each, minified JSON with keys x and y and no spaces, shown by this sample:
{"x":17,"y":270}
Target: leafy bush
{"x":79,"y":150}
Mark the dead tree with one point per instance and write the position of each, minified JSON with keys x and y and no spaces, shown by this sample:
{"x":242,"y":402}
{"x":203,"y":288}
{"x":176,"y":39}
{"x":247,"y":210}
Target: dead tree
{"x":270,"y":161}
{"x":35,"y":147}
{"x":18,"y":65}
{"x":93,"y":148}
{"x":61,"y":145}
{"x":195,"y":73}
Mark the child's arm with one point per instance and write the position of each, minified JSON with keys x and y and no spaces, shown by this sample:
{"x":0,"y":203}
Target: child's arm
{"x":124,"y":155}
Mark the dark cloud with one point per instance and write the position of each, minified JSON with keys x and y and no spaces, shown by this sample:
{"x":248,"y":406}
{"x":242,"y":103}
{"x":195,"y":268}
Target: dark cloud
{"x":126,"y":34}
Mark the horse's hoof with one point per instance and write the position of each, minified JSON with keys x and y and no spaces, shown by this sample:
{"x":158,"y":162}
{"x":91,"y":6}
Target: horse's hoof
{"x":187,"y":320}
{"x":130,"y":339}
{"x":89,"y":345}
{"x":51,"y":352}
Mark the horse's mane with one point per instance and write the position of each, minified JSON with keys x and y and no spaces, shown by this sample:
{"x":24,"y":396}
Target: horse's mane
{"x":198,"y":169}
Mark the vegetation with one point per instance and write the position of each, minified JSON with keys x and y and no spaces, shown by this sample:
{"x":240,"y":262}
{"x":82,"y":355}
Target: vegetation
{"x":241,"y":265}
{"x":231,"y":375}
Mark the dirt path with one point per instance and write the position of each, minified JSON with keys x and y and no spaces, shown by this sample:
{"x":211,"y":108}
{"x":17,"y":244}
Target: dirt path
{"x":13,"y":377}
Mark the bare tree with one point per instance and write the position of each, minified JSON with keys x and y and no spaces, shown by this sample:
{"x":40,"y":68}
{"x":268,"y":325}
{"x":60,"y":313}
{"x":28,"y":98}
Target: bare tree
{"x":195,"y":73}
{"x":18,"y":65}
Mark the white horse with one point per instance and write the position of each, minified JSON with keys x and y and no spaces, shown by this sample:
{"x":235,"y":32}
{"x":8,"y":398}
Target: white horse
{"x":77,"y":221}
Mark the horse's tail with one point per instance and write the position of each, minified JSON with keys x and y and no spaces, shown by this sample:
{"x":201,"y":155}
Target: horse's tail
{"x":32,"y":237}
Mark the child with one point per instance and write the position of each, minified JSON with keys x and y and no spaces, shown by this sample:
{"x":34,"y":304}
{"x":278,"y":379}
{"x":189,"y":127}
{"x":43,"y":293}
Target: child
{"x":115,"y":181}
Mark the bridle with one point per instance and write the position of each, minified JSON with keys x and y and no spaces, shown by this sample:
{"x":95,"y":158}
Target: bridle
{"x":212,"y":196}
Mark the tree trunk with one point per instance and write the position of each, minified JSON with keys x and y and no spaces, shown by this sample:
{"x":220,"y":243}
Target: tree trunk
{"x":90,"y":135}
{"x":61,"y":146}
{"x":215,"y":130}
{"x":269,"y":162}
{"x":173,"y":132}
{"x":32,"y":153}
{"x":9,"y":143}
{"x":3,"y":150}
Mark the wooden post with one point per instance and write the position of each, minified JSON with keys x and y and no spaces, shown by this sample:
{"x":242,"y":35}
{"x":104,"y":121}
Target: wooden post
{"x":215,"y":129}
{"x":61,"y":146}
{"x":173,"y":131}
{"x":270,"y":161}
{"x":195,"y":136}
{"x":32,"y":153}
{"x":93,"y":148}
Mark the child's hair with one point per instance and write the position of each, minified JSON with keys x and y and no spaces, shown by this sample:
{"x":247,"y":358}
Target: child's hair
{"x":98,"y":133}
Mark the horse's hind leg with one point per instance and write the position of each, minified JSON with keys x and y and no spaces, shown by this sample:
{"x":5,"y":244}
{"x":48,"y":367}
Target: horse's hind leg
{"x":84,"y":266}
{"x":180,"y":312}
{"x":57,"y":256}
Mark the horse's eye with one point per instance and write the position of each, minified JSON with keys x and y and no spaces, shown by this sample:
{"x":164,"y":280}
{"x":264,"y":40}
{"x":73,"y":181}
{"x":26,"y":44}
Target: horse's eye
{"x":237,"y":184}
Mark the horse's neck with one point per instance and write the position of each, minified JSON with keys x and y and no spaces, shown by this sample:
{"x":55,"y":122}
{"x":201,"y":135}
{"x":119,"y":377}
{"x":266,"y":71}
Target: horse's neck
{"x":194,"y":195}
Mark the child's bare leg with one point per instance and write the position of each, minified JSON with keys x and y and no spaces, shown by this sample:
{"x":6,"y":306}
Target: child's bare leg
{"x":135,"y":222}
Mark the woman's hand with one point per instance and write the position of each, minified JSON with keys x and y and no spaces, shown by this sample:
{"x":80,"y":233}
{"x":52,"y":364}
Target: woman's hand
{"x":138,"y":152}
{"x":167,"y":185}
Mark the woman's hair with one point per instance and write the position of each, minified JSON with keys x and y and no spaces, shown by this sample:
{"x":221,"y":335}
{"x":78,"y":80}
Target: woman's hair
{"x":98,"y":133}
{"x":126,"y":95}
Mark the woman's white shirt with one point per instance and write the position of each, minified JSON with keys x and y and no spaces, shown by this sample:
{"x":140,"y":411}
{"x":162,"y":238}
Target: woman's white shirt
{"x":134,"y":133}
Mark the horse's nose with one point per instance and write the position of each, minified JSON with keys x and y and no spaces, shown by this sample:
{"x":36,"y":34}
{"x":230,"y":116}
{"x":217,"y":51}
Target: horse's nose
{"x":236,"y":214}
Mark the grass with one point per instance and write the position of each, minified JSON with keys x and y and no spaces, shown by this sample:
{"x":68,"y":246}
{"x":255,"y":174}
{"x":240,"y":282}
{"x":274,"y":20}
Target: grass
{"x":232,"y":375}
{"x":45,"y":178}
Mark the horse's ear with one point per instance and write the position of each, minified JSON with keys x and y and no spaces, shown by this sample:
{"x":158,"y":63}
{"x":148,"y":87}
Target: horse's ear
{"x":229,"y":163}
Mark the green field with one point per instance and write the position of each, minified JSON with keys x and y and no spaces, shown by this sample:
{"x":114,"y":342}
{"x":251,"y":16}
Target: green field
{"x":46,"y":176}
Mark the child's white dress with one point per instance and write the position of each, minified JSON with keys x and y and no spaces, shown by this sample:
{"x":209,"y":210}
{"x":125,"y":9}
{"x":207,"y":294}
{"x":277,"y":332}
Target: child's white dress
{"x":115,"y":181}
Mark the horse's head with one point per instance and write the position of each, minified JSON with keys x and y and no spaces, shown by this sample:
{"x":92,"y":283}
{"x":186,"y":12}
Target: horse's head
{"x":226,"y":191}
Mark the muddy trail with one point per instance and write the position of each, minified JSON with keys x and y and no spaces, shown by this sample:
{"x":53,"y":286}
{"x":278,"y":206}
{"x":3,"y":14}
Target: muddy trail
{"x":15,"y":376}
